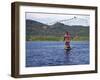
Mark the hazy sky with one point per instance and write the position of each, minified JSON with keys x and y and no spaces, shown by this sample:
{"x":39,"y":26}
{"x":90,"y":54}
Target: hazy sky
{"x":69,"y":19}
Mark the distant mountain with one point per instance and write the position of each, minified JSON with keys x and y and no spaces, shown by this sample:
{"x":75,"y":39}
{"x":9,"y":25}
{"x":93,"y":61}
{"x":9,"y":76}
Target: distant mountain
{"x":35,"y":28}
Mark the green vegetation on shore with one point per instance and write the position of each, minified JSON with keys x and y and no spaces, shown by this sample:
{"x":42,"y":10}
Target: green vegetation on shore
{"x":53,"y":38}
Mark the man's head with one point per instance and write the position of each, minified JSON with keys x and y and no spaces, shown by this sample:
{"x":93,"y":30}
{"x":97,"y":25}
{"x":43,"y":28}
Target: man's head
{"x":67,"y":32}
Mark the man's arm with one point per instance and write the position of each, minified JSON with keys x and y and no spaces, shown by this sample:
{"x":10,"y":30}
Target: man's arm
{"x":64,"y":38}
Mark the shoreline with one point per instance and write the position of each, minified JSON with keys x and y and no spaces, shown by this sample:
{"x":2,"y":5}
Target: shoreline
{"x":59,"y":41}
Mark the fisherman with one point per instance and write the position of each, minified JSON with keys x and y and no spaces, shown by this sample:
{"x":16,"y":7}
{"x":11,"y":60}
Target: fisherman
{"x":67,"y":39}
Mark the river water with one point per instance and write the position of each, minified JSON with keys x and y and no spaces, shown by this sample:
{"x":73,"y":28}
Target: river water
{"x":52,"y":53}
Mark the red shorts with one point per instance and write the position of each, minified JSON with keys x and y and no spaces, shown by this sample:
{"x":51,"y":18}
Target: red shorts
{"x":67,"y":44}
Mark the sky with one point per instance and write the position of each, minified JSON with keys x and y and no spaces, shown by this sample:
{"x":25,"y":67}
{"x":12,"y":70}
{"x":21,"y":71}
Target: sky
{"x":67,"y":19}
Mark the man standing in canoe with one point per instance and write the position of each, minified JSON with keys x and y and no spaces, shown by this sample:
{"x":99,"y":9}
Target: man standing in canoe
{"x":67,"y":39}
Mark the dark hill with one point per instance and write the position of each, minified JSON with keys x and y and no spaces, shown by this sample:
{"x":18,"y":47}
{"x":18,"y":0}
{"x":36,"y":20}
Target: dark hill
{"x":34,"y":28}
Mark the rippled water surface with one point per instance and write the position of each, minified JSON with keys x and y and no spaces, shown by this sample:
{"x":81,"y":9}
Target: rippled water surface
{"x":52,"y":53}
